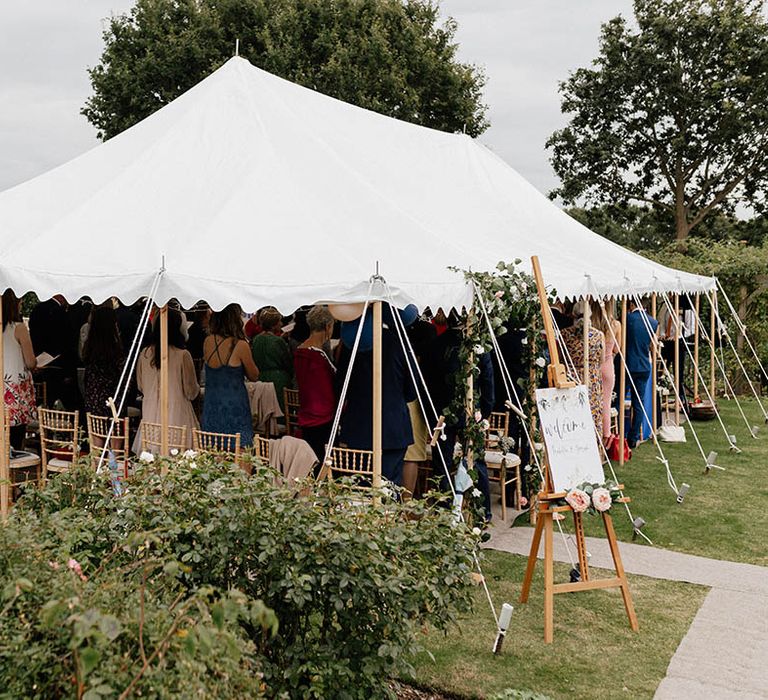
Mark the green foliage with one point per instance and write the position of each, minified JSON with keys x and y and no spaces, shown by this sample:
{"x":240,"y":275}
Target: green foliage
{"x":244,"y":588}
{"x":390,"y":56}
{"x":673,"y":113}
{"x":511,"y":302}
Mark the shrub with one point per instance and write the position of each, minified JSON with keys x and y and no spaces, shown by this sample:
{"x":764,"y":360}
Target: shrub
{"x":233,"y":556}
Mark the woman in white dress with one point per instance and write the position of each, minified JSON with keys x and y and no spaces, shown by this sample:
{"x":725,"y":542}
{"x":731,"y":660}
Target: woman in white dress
{"x":18,"y":363}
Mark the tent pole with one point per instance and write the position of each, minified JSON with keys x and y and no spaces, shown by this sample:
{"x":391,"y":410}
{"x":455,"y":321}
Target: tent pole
{"x":696,"y":348}
{"x":5,"y":490}
{"x":622,"y":379}
{"x":677,"y":359}
{"x":585,"y":317}
{"x":654,"y":368}
{"x":713,"y":307}
{"x":164,"y":384}
{"x":377,"y":397}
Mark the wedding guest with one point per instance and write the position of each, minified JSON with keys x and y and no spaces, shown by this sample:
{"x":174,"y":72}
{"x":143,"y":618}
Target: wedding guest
{"x":573,"y":337}
{"x":183,"y":387}
{"x":50,"y":333}
{"x":103,"y":359}
{"x":228,"y":363}
{"x":603,"y":318}
{"x":638,"y":360}
{"x":271,"y":353}
{"x":18,"y":363}
{"x":315,"y":375}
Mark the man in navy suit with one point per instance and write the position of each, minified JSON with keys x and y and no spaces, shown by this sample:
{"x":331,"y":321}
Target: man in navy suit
{"x":397,"y":390}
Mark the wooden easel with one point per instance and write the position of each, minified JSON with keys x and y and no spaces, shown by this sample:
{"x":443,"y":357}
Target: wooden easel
{"x":546,"y":511}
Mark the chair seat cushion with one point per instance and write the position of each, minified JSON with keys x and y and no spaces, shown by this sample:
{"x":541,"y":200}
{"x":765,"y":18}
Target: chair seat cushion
{"x":24,"y":462}
{"x":58,"y":465}
{"x":494,"y":458}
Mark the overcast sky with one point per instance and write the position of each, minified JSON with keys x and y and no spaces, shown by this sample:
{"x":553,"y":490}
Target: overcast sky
{"x":525,"y":46}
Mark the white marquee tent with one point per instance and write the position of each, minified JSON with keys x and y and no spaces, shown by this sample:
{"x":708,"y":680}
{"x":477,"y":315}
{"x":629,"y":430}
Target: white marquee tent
{"x":255,"y":190}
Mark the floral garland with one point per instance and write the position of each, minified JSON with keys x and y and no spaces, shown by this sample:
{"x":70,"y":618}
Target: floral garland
{"x":509,"y":296}
{"x":592,"y":498}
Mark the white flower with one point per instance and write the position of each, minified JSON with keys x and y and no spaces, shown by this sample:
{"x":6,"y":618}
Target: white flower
{"x":601,"y":499}
{"x":524,"y":341}
{"x":485,"y":424}
{"x":193,"y":465}
{"x":146,"y":457}
{"x":540,"y":362}
{"x":479,"y":350}
{"x":475,"y":530}
{"x":174,"y":452}
{"x":478,"y":416}
{"x":476,"y":493}
{"x":188,"y":454}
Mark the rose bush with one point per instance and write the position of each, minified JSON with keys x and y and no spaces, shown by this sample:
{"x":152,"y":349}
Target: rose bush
{"x":208,"y":581}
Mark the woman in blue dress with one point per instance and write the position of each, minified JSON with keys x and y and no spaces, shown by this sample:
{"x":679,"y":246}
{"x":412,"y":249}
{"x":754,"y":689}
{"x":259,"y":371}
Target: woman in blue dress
{"x":228,"y":363}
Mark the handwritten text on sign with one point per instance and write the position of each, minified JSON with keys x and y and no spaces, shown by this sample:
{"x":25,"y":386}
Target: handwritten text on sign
{"x":569,"y":434}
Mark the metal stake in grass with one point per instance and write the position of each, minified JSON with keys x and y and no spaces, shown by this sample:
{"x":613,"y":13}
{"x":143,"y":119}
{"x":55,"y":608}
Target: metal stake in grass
{"x":504,"y":619}
{"x":681,"y":493}
{"x":711,"y":458}
{"x":637,"y":524}
{"x":732,"y":440}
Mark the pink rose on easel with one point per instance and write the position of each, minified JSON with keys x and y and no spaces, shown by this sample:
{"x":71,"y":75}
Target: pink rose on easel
{"x":578,"y":500}
{"x":601,"y":499}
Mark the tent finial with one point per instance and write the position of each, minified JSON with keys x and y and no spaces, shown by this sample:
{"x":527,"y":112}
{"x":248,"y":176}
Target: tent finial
{"x":237,"y":47}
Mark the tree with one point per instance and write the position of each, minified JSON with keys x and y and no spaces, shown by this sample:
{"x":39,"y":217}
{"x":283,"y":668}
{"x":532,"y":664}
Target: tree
{"x":391,"y":56}
{"x":673,"y":113}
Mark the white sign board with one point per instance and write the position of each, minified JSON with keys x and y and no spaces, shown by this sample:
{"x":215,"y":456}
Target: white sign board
{"x":569,"y":434}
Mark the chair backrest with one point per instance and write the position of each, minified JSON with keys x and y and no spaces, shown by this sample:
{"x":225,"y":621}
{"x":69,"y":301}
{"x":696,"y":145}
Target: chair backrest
{"x":291,"y":404}
{"x":498,"y":423}
{"x":261,"y":447}
{"x":348,"y":462}
{"x":59,"y":433}
{"x":151,"y":437}
{"x":223,"y":444}
{"x":98,"y":429}
{"x":41,"y":394}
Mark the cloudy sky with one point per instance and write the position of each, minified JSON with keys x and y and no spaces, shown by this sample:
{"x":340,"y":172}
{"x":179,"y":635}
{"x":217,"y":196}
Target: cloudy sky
{"x":526,"y":47}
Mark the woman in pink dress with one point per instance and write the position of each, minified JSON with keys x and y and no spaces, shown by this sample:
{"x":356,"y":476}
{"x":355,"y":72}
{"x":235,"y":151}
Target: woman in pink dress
{"x":603,"y":318}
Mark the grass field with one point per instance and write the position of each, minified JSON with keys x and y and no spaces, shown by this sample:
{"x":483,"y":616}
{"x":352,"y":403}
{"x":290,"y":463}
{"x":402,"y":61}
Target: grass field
{"x":594,"y":655}
{"x":724,"y":515}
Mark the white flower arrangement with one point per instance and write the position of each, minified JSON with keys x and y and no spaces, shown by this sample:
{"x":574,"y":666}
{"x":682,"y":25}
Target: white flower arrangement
{"x":146,"y":457}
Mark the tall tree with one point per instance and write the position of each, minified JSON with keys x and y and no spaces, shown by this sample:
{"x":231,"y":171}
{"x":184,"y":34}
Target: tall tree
{"x":673,"y":112}
{"x":391,"y":56}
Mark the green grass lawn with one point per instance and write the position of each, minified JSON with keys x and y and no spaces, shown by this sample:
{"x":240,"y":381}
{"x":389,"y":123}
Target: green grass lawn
{"x":594,"y":655}
{"x":724,"y":515}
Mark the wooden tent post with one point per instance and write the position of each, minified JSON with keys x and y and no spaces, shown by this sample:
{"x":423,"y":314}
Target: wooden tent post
{"x":622,"y":380}
{"x":5,"y":485}
{"x":696,"y":349}
{"x":164,"y":408}
{"x":678,"y":388}
{"x":585,"y":317}
{"x":547,"y":506}
{"x":712,"y":312}
{"x":377,"y":396}
{"x":654,"y":379}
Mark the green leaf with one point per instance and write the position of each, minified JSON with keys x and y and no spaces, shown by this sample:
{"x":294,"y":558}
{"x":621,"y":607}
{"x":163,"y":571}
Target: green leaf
{"x":89,"y":659}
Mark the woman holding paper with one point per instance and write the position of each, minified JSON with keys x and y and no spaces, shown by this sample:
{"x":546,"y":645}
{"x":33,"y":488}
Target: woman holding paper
{"x":19,"y":361}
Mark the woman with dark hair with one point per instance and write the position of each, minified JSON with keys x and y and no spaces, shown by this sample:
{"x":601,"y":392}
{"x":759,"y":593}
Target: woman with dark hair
{"x":103,"y":359}
{"x":228,"y":362}
{"x":18,"y":362}
{"x":183,"y":387}
{"x":271,"y":354}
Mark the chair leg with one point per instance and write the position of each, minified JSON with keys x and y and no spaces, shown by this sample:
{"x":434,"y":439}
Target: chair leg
{"x":503,"y":484}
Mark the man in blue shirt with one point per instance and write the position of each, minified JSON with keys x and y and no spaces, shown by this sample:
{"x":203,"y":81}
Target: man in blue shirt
{"x":638,"y":360}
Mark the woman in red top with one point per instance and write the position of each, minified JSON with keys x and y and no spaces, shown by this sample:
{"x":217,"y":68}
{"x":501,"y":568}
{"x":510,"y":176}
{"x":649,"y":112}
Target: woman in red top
{"x":315,"y":380}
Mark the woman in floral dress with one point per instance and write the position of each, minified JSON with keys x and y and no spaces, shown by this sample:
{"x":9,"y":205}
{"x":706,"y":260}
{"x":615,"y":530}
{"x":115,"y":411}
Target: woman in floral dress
{"x":574,"y":342}
{"x":19,"y":361}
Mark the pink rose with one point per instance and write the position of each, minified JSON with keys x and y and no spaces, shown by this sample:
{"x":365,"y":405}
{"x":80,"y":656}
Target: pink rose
{"x":478,"y":416}
{"x":523,"y":501}
{"x":578,"y":500}
{"x":601,"y":499}
{"x":499,"y":294}
{"x":75,"y":566}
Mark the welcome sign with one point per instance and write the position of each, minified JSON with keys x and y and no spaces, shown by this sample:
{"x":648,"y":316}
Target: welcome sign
{"x":569,"y":434}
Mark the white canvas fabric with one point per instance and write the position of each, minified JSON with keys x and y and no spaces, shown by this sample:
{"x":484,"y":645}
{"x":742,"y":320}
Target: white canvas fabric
{"x":255,"y":190}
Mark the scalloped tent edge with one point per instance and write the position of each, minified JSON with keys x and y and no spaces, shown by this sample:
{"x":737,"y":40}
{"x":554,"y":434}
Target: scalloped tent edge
{"x":252,"y":189}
